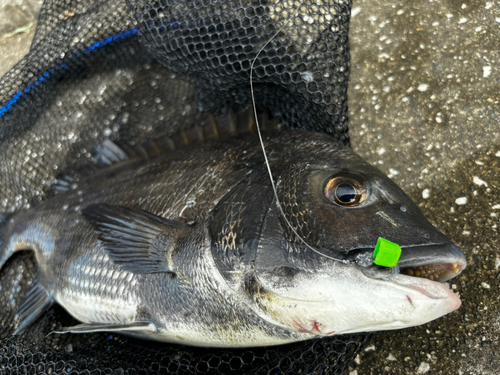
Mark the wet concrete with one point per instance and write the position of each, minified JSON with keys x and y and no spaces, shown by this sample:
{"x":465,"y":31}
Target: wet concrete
{"x":424,"y":106}
{"x":17,"y":28}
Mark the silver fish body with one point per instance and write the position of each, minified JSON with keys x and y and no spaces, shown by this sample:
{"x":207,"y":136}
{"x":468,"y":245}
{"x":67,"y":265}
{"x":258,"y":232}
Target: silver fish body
{"x":190,"y":246}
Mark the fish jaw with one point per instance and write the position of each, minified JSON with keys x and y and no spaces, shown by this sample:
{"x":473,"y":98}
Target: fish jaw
{"x":347,"y":301}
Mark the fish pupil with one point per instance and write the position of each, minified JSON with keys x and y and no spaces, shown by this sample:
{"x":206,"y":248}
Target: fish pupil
{"x":346,"y":193}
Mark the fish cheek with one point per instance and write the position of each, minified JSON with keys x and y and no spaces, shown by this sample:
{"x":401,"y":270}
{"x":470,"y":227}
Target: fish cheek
{"x":346,"y":228}
{"x":294,"y":191}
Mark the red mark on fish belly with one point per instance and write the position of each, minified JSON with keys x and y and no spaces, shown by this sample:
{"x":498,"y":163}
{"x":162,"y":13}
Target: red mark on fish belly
{"x":298,"y":326}
{"x":316,"y":327}
{"x":409,"y":300}
{"x":302,"y":328}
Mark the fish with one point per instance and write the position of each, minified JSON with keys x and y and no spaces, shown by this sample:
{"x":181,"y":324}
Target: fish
{"x":185,"y":241}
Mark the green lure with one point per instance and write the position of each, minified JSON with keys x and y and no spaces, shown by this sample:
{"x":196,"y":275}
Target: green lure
{"x":386,"y":253}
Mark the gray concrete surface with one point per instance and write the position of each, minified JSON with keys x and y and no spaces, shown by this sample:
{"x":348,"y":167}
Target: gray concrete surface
{"x":424,"y":106}
{"x":17,"y":28}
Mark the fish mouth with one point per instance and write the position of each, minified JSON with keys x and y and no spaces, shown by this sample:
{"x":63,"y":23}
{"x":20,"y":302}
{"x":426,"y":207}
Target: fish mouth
{"x":435,"y":262}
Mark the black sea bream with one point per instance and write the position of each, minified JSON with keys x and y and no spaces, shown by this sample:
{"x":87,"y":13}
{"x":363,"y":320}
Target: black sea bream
{"x":189,"y":246}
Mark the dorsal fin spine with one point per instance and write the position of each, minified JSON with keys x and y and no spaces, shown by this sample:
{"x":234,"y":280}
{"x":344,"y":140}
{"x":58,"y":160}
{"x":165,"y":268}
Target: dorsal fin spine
{"x":110,"y":153}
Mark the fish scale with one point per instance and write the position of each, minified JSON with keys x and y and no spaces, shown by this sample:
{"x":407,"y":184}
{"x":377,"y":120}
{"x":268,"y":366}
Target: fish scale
{"x":91,"y":283}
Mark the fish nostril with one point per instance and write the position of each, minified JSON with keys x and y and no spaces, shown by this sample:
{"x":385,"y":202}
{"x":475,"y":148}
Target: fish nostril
{"x":424,"y":234}
{"x":384,"y":194}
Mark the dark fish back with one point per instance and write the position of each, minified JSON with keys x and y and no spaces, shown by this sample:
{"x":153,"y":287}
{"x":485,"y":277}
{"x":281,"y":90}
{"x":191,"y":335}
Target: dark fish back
{"x":110,"y":154}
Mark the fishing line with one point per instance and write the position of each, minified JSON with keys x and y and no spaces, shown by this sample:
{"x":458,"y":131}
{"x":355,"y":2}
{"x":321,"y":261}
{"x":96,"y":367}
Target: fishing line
{"x":278,"y":203}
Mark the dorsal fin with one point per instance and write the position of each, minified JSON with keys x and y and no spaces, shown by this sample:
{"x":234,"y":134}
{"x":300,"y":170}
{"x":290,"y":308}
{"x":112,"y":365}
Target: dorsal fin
{"x":110,"y":153}
{"x":213,"y":127}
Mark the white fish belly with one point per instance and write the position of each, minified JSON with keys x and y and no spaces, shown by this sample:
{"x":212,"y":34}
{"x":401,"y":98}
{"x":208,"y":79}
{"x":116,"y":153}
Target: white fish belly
{"x":98,"y":291}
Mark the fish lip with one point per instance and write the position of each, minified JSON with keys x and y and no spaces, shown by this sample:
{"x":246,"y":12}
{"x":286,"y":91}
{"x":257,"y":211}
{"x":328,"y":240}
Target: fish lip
{"x":423,"y":255}
{"x":418,"y":284}
{"x":447,"y":256}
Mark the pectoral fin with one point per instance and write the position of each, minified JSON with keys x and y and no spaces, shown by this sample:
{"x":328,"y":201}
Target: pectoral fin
{"x":139,"y":241}
{"x":36,"y":301}
{"x":95,"y":327}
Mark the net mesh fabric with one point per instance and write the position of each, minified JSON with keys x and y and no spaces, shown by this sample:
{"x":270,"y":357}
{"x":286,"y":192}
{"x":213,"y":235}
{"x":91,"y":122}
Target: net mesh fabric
{"x":301,"y":75}
{"x":138,"y":70}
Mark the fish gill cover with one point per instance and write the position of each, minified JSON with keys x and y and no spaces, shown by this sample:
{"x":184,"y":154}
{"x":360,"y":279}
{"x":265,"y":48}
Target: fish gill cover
{"x":137,"y":70}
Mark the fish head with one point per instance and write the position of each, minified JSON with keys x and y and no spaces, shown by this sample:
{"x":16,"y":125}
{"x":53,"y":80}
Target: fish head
{"x":337,"y":201}
{"x":314,"y":271}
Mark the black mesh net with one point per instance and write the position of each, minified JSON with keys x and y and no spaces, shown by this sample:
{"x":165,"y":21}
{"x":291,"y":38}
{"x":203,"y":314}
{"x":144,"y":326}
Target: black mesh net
{"x":138,"y":70}
{"x":301,"y":75}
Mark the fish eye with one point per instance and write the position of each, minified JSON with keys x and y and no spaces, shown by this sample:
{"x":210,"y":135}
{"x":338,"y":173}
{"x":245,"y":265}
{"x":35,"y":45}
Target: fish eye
{"x":346,"y":191}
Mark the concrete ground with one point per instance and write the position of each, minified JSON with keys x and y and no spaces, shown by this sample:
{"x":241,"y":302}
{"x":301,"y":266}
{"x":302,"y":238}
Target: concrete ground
{"x":424,"y":107}
{"x":17,"y":28}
